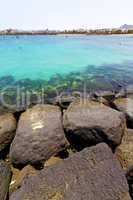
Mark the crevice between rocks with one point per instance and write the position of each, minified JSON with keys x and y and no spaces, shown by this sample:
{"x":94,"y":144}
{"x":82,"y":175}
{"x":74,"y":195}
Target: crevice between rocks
{"x":80,"y":139}
{"x":17,"y":115}
{"x":129,"y":176}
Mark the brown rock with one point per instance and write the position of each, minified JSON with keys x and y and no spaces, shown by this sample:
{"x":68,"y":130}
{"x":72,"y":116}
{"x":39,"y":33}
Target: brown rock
{"x":52,"y":161}
{"x":88,"y":123}
{"x":124,"y":152}
{"x":91,"y":174}
{"x":126,"y":106}
{"x":5,"y":176}
{"x":19,"y":175}
{"x":7,"y":129}
{"x":39,"y":135}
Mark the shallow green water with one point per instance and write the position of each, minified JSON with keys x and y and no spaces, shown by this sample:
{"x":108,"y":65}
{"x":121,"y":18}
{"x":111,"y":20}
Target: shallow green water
{"x":66,"y":61}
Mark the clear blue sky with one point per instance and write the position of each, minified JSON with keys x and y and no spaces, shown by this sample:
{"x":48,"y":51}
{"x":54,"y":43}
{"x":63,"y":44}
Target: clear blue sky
{"x":61,"y":14}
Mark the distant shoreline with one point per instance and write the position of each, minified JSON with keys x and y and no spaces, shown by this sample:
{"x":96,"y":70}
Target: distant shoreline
{"x":65,"y":35}
{"x":67,"y":32}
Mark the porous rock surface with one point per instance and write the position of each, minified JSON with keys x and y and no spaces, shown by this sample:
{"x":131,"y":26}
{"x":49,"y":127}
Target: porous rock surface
{"x":39,"y":135}
{"x":92,"y":174}
{"x":89,"y":122}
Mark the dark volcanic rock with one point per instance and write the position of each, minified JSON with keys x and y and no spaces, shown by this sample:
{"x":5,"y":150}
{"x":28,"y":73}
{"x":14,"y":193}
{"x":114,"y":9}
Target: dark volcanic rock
{"x":5,"y":176}
{"x":126,"y":106}
{"x":39,"y":135}
{"x":88,"y":122}
{"x":7,"y":129}
{"x":92,"y":174}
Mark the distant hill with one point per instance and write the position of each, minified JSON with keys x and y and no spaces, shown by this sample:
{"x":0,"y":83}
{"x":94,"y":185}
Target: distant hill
{"x":127,"y":27}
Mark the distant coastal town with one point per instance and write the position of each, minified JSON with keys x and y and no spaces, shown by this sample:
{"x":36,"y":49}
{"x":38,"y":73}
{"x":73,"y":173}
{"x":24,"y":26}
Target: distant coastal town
{"x":124,"y":29}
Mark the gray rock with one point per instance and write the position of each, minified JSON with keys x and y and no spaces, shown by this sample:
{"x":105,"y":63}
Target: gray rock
{"x":7,"y":129}
{"x":92,"y":174}
{"x":125,"y":92}
{"x":88,"y":122}
{"x":39,"y":135}
{"x":5,"y":176}
{"x":63,"y":101}
{"x":125,"y":105}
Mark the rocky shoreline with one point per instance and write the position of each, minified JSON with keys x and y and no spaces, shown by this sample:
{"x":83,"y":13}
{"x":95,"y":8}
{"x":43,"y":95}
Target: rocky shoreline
{"x":72,"y":149}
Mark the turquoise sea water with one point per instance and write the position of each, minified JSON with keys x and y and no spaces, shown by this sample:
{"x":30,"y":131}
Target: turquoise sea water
{"x":99,"y":59}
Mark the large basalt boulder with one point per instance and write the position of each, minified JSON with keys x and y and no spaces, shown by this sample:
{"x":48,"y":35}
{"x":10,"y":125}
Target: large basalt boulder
{"x":91,"y":174}
{"x":124,"y":152}
{"x":5,"y":176}
{"x":126,"y":106}
{"x":7,"y":130}
{"x":39,"y":135}
{"x":88,"y":123}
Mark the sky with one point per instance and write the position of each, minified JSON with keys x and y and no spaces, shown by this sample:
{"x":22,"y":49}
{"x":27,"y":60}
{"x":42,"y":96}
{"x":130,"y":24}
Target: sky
{"x":64,"y":14}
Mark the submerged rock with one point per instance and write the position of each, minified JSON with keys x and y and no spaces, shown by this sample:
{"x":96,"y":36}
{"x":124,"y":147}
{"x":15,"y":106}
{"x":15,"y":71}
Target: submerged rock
{"x":5,"y":176}
{"x":6,"y":81}
{"x":7,"y":130}
{"x":91,"y":174}
{"x":107,"y":94}
{"x":125,"y":92}
{"x":63,"y":101}
{"x":126,"y":106}
{"x":39,"y":135}
{"x":89,"y":122}
{"x":124,"y":152}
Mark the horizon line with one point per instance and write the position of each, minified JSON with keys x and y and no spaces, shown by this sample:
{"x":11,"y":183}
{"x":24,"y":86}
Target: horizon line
{"x":65,"y":29}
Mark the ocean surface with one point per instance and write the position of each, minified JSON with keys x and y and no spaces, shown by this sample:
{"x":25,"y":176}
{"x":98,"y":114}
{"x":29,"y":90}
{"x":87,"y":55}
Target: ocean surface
{"x":66,"y":62}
